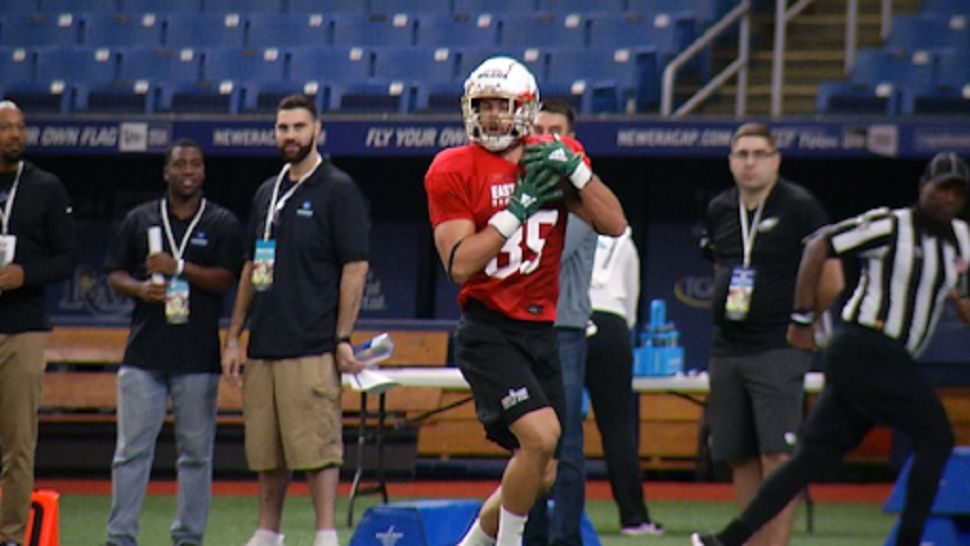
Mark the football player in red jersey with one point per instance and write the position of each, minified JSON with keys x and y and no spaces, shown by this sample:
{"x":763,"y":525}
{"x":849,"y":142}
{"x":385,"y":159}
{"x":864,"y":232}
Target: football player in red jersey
{"x":499,"y":219}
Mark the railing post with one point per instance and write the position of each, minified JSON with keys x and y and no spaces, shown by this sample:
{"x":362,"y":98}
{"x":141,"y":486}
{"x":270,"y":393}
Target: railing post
{"x":744,"y":52}
{"x":886,"y":19}
{"x":851,"y":21}
{"x":778,"y":59}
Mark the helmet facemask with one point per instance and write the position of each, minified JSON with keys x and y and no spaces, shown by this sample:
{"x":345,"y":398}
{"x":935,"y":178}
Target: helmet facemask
{"x":500,"y":78}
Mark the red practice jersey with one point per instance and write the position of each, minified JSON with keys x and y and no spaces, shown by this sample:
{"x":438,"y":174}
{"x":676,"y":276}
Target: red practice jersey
{"x":522,"y":281}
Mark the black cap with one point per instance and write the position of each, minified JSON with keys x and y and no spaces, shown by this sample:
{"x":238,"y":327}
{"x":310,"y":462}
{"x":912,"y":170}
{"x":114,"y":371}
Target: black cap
{"x":947,"y":166}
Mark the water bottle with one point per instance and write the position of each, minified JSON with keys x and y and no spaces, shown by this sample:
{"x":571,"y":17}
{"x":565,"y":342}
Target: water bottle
{"x":658,"y":314}
{"x":374,"y":350}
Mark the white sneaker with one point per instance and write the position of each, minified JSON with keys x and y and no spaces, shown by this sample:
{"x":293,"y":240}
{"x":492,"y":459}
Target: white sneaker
{"x":646,"y":528}
{"x":262,"y":537}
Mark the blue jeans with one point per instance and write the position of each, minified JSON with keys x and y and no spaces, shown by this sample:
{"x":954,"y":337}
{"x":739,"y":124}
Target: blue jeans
{"x":142,"y":397}
{"x":569,"y":492}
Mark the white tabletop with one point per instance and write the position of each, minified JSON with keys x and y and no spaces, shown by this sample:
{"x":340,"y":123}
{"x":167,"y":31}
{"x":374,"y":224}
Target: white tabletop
{"x":451,"y":378}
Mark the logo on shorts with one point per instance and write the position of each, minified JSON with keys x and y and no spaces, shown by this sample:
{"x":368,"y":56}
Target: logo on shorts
{"x":515,"y":396}
{"x":389,"y":537}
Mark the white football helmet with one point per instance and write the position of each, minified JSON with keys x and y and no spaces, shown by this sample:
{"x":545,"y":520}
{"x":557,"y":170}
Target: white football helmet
{"x":504,"y":78}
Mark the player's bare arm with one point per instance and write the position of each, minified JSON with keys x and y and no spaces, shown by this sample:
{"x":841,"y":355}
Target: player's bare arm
{"x":473,"y":252}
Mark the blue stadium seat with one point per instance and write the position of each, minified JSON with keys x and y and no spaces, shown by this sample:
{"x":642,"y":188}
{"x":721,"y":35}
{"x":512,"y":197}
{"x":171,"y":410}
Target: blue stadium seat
{"x":945,"y":6}
{"x":670,"y":33}
{"x":149,"y":76}
{"x":874,"y":85}
{"x":543,"y":30}
{"x":204,"y":30}
{"x":63,"y":78}
{"x":949,"y":94}
{"x":38,"y":30}
{"x":350,"y":30}
{"x":113,"y":30}
{"x":21,"y":6}
{"x":71,"y":6}
{"x":429,"y":71}
{"x":243,"y":6}
{"x":323,"y":69}
{"x":927,"y":32}
{"x":328,"y":6}
{"x":495,"y":7}
{"x":706,"y":11}
{"x":16,"y":65}
{"x":581,"y":6}
{"x":227,"y":72}
{"x":413,"y":7}
{"x":441,"y":29}
{"x":161,"y":6}
{"x":287,"y":30}
{"x":598,"y":81}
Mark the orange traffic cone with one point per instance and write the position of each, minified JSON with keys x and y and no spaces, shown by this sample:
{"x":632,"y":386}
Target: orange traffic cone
{"x":43,"y":521}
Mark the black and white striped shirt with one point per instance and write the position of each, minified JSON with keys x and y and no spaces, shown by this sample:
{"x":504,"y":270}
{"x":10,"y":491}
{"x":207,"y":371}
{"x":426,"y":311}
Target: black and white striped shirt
{"x":907,"y":272}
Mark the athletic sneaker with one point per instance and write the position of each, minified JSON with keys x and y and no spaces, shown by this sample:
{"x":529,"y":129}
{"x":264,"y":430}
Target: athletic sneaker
{"x":265,"y":538}
{"x":651,"y":528}
{"x":697,"y":539}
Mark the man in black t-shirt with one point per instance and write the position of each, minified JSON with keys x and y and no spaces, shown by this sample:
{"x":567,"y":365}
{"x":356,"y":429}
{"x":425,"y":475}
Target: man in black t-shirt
{"x":300,"y":289}
{"x":754,"y":234}
{"x":178,"y":281}
{"x":38,"y":247}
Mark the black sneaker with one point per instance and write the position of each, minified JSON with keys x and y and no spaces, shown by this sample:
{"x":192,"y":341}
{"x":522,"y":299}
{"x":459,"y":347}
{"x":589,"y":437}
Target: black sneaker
{"x":697,"y":539}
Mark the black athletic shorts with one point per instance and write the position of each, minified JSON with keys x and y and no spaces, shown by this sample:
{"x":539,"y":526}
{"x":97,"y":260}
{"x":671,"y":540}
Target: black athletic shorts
{"x":512,"y":367}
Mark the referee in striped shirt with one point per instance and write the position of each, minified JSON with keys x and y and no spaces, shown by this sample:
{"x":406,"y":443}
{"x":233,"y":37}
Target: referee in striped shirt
{"x":911,"y":261}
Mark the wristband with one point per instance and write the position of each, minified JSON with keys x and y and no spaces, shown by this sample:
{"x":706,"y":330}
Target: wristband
{"x":504,"y":222}
{"x":802,"y":317}
{"x":179,"y":268}
{"x":342,"y":339}
{"x":581,"y":175}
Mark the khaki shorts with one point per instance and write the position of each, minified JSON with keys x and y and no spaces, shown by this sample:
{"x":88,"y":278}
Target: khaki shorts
{"x":293,"y":415}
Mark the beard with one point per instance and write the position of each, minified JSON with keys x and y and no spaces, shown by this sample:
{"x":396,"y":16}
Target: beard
{"x":13,"y":156}
{"x":300,"y":154}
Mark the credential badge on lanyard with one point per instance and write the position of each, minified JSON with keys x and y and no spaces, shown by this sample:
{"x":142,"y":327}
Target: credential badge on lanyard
{"x":741,"y":289}
{"x":264,"y":255}
{"x":8,"y":242}
{"x":177,"y":293}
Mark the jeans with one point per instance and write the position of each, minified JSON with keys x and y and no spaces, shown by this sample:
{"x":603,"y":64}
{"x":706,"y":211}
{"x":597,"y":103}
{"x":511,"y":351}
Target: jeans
{"x":142,"y":397}
{"x":569,"y":492}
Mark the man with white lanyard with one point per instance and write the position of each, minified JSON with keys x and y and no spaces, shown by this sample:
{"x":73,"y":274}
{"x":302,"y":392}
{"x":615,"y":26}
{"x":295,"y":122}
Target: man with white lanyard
{"x":175,"y":257}
{"x":754,"y":237}
{"x":39,"y":247}
{"x":300,"y":290}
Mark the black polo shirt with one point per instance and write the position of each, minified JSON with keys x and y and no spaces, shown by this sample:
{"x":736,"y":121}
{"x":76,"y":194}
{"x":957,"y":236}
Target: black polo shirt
{"x":323,"y":226}
{"x":790,"y":214}
{"x":153,"y":343}
{"x":46,"y":246}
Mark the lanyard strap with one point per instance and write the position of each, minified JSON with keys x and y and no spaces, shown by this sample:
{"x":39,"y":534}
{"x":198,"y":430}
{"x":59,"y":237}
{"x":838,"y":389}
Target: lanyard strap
{"x":8,"y":208}
{"x":276,"y":207}
{"x":177,"y":251}
{"x":749,"y":232}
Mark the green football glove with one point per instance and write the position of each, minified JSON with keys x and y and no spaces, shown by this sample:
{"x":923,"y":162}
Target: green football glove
{"x":557,"y":157}
{"x":535,"y":189}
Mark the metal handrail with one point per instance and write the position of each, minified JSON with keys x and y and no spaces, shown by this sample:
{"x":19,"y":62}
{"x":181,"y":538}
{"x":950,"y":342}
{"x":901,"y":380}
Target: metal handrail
{"x":886,"y":19}
{"x":783,"y":15}
{"x":740,"y":65}
{"x":851,"y":33}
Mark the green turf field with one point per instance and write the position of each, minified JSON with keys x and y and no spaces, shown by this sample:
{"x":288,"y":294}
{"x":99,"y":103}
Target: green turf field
{"x":233,"y":518}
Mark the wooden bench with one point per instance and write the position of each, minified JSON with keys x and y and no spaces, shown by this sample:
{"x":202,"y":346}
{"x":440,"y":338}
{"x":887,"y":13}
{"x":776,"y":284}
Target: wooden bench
{"x":81,"y":381}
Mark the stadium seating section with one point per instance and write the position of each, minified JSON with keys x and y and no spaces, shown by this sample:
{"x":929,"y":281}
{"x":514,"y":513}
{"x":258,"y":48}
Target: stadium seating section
{"x":920,"y":70}
{"x":359,"y":56}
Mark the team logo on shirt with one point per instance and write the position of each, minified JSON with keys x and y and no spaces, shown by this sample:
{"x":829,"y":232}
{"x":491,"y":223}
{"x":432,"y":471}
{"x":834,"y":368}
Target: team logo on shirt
{"x":305,"y":210}
{"x":501,"y":193}
{"x":768,"y":224}
{"x":199,"y":239}
{"x":515,"y":396}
